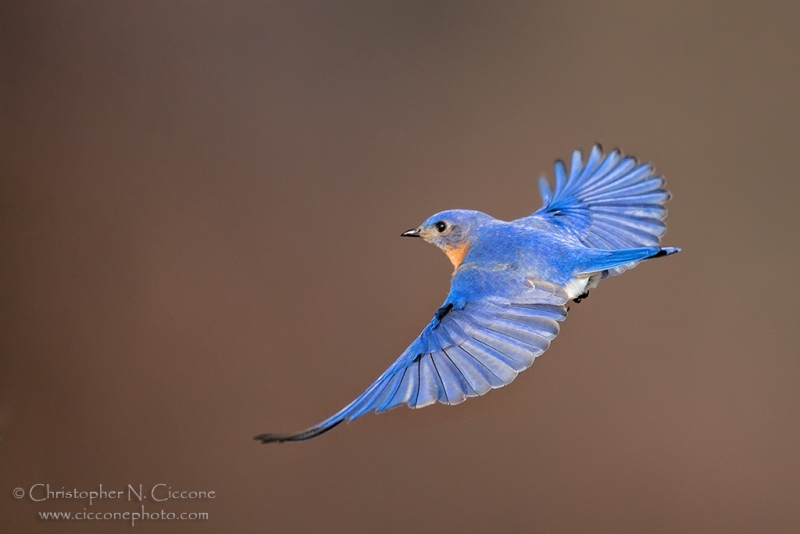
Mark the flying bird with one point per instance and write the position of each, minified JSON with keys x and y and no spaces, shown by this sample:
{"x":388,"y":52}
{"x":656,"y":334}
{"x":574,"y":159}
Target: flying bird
{"x":513,"y":280}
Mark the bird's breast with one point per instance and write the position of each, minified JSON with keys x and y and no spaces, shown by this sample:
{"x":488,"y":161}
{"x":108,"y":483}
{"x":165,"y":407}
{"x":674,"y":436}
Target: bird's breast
{"x":456,"y":254}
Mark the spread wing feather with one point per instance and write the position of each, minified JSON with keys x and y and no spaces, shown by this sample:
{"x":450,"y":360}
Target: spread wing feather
{"x":610,"y":202}
{"x":463,"y":352}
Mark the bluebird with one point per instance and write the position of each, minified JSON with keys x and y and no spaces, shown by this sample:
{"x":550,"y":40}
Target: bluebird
{"x":513,"y":280}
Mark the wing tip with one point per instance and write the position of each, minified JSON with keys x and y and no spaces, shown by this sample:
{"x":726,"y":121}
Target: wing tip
{"x":299,"y":436}
{"x":544,"y":190}
{"x":272,"y":438}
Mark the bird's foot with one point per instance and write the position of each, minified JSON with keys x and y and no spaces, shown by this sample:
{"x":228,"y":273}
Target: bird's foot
{"x":581,"y":297}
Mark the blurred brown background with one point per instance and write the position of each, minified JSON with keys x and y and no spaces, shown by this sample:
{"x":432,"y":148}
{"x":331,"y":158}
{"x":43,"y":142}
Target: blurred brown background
{"x":200,"y":210}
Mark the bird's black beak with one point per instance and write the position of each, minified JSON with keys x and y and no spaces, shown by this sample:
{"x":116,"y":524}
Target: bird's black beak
{"x":414,"y":232}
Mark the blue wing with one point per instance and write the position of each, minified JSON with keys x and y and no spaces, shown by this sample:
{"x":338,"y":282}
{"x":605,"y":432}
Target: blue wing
{"x":607,"y":203}
{"x":469,"y":347}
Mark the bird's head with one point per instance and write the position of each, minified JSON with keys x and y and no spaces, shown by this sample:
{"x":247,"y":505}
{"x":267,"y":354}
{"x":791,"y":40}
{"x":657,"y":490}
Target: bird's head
{"x":453,"y":231}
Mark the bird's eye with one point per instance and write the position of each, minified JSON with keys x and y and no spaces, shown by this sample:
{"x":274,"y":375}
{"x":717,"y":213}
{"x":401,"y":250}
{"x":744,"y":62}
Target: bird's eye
{"x":441,"y":226}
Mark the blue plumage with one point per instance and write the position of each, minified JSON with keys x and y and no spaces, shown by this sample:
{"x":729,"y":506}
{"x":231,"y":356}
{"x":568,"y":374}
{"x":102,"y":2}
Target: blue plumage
{"x":609,"y":203}
{"x":512,"y":281}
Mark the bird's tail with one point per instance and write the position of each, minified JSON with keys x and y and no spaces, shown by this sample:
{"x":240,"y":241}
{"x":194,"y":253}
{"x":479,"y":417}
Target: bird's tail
{"x":604,"y":260}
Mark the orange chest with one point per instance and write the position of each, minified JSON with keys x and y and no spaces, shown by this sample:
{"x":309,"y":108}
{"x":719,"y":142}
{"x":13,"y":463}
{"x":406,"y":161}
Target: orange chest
{"x":456,"y":254}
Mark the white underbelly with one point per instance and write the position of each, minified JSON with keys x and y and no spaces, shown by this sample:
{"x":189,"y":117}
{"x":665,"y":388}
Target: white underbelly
{"x":576,"y":287}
